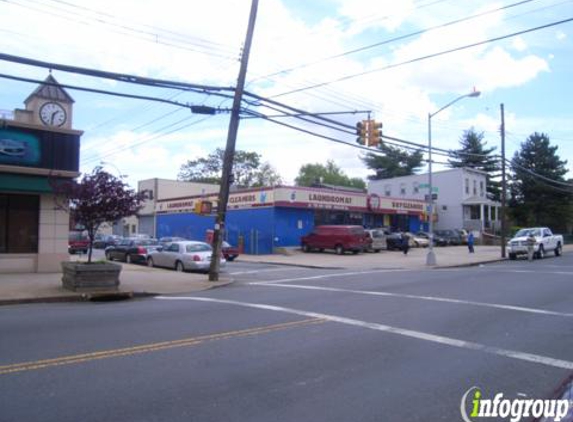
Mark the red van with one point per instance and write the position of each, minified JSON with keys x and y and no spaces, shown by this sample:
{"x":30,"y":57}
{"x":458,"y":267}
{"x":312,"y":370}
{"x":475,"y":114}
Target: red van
{"x":338,"y":238}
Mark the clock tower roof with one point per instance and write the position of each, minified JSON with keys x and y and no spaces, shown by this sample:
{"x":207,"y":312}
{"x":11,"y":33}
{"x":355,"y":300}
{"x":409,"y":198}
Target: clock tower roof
{"x":50,"y":89}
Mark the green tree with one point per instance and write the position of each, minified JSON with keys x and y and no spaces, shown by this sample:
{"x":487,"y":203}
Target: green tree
{"x":330,"y":174}
{"x":535,"y":201}
{"x":248,"y":170}
{"x":393,"y":162}
{"x":475,"y":154}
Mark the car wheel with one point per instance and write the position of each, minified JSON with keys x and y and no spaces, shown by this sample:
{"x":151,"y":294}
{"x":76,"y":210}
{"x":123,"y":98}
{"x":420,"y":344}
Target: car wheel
{"x":108,"y":256}
{"x":150,"y":262}
{"x":128,"y":258}
{"x":179,"y":267}
{"x":558,"y":250}
{"x":339,"y":249}
{"x":512,"y":256}
{"x":231,"y":258}
{"x":541,"y":252}
{"x":355,"y":252}
{"x":376,"y":250}
{"x":305,"y":248}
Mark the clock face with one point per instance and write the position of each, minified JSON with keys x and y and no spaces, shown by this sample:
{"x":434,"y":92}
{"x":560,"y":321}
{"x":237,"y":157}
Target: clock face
{"x":52,"y":114}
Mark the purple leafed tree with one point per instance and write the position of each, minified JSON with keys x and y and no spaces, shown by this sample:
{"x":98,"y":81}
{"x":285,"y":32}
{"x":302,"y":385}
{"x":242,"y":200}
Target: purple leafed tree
{"x":97,"y":198}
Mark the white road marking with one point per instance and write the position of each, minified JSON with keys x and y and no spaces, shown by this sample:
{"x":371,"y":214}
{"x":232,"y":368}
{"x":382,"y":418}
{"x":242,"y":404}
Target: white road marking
{"x":448,"y":341}
{"x":429,"y":298}
{"x":500,"y":270}
{"x":318,"y":277}
{"x":263,"y":271}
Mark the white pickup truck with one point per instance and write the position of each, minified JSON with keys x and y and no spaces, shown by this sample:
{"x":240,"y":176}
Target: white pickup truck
{"x":545,"y":241}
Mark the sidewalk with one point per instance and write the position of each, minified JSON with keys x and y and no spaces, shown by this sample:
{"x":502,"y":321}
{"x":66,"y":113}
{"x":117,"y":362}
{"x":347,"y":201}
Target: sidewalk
{"x":451,"y":256}
{"x":139,"y":280}
{"x":135,"y":280}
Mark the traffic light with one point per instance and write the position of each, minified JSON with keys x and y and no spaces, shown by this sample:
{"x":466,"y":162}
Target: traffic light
{"x":374,"y":134}
{"x":362,"y":132}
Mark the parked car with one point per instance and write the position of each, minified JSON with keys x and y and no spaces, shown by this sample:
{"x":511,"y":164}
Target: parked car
{"x":394,"y":240}
{"x":102,"y":242}
{"x":340,"y":238}
{"x":377,"y":240}
{"x":463,"y":234}
{"x":545,"y":241}
{"x":451,"y":236}
{"x":438,"y":240}
{"x":418,"y":241}
{"x":78,"y":242}
{"x":229,"y":252}
{"x":132,"y":250}
{"x":184,"y":256}
{"x":164,"y":241}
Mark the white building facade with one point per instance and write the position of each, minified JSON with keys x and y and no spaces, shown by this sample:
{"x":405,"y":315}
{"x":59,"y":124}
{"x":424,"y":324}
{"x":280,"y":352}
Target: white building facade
{"x":461,"y":202}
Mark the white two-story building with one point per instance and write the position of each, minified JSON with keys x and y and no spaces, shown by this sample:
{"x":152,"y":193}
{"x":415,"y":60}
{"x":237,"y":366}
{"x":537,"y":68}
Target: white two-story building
{"x":462,"y":200}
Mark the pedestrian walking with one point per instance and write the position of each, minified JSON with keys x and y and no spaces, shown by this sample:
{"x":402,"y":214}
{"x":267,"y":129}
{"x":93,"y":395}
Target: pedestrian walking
{"x":405,"y":243}
{"x":471,"y":242}
{"x":530,"y":246}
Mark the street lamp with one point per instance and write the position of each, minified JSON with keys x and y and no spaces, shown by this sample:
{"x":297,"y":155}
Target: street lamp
{"x":431,"y":257}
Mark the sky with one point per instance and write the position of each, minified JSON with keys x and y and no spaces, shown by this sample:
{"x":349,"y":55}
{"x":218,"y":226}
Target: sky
{"x":304,"y":46}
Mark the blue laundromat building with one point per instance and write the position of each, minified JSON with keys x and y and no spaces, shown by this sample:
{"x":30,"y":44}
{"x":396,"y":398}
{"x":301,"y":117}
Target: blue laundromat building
{"x":260,"y":220}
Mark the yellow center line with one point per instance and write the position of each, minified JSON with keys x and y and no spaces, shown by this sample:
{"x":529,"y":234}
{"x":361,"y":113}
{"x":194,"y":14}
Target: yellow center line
{"x":151,"y":347}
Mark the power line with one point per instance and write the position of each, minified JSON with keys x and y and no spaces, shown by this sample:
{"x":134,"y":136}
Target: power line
{"x":391,"y":40}
{"x":429,"y":56}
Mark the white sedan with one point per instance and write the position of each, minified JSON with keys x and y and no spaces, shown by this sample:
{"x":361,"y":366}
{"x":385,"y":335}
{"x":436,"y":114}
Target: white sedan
{"x":183,"y":256}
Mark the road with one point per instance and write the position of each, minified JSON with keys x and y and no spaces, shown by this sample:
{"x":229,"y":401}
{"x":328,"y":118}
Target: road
{"x":296,"y":344}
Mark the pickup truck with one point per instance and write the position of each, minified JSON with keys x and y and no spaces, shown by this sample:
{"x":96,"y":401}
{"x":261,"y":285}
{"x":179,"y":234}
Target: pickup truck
{"x":545,"y":241}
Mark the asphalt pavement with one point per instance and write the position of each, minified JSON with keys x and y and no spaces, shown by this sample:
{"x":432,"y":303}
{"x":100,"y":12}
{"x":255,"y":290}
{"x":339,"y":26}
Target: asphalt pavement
{"x":294,"y":343}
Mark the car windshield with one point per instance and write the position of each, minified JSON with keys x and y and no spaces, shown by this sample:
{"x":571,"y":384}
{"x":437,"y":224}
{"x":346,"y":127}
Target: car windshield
{"x":199,"y":247}
{"x":528,"y":232}
{"x":377,"y":233}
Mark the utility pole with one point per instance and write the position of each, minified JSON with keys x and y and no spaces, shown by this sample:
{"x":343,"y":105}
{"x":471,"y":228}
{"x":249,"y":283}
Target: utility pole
{"x":230,"y":149}
{"x":503,"y":182}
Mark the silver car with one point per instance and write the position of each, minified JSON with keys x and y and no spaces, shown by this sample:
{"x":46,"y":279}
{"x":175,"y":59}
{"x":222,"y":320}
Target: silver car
{"x":183,"y":256}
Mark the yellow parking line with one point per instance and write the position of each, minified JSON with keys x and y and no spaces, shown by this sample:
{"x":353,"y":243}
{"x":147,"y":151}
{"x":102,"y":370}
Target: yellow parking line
{"x":152,"y":347}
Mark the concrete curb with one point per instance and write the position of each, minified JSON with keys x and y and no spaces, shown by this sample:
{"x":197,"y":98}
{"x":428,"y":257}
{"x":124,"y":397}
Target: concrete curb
{"x":110,"y":296}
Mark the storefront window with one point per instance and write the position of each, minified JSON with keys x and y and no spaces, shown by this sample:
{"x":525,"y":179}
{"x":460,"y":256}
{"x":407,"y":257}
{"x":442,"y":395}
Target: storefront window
{"x":19,"y":223}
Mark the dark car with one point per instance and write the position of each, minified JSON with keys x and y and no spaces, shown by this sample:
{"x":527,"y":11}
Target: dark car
{"x":132,"y":250}
{"x":78,"y":242}
{"x":451,"y":236}
{"x":102,"y":242}
{"x":229,"y":252}
{"x":340,"y":238}
{"x":394,"y":240}
{"x":438,"y":240}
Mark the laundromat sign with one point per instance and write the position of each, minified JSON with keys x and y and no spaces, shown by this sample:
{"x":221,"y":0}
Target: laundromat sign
{"x":319,"y":198}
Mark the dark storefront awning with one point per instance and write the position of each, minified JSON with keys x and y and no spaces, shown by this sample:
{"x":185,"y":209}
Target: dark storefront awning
{"x":24,"y":183}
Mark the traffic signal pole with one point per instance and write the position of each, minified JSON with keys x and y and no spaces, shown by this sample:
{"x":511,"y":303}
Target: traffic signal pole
{"x":230,"y":149}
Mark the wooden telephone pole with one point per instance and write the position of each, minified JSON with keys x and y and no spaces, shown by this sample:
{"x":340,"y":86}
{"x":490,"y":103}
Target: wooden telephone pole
{"x":230,"y":149}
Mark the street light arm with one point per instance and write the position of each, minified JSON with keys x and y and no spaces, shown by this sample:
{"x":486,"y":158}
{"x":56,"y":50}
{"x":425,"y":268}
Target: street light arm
{"x":461,"y":97}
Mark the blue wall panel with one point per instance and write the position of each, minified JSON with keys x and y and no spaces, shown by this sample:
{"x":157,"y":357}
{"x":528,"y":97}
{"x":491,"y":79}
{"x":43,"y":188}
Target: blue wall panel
{"x":415,"y":224}
{"x":187,"y":225}
{"x":287,"y":229}
{"x":255,"y":227}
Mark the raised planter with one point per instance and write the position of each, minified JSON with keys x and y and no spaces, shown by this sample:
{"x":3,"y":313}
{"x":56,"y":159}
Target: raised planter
{"x":83,"y":277}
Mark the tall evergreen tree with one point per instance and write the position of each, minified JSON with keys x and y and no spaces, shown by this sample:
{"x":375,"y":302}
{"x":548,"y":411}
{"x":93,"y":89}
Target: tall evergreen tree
{"x":534,"y":200}
{"x":475,"y":154}
{"x":394,"y":163}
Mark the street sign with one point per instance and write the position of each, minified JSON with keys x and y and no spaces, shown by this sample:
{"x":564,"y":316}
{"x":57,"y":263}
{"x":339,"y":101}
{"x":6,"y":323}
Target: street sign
{"x":434,"y":197}
{"x":426,"y":186}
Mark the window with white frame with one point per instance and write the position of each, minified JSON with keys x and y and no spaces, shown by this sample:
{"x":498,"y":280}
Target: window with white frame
{"x":402,"y":188}
{"x":475,"y":187}
{"x":467,"y":186}
{"x":388,"y":190}
{"x":416,"y":187}
{"x":481,"y":188}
